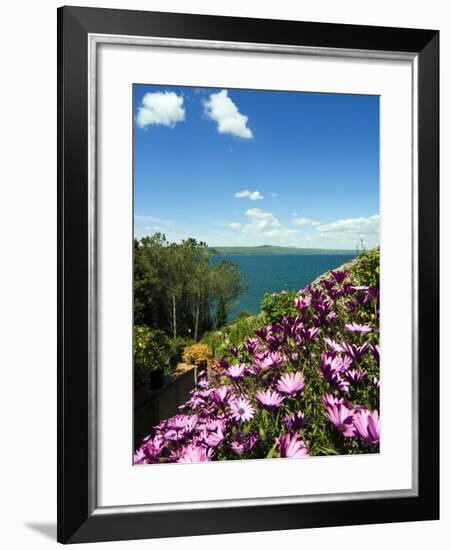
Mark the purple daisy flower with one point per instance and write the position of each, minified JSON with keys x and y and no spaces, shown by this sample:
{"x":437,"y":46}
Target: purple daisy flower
{"x":268,"y":361}
{"x":327,"y":284}
{"x":274,"y":341}
{"x":302,"y":303}
{"x":140,"y":457}
{"x":223,"y":364}
{"x":195,"y":453}
{"x":315,"y":293}
{"x":331,"y":316}
{"x":333,"y":367}
{"x":291,"y":383}
{"x":251,"y":345}
{"x":269,"y":399}
{"x":263,"y":333}
{"x":354,"y":351}
{"x":150,"y":450}
{"x":340,"y":416}
{"x":291,"y":446}
{"x":323,"y":306}
{"x":182,"y":421}
{"x":242,"y":409}
{"x":244,"y":443}
{"x":213,"y":433}
{"x":221,"y":395}
{"x":355,"y":375}
{"x":339,"y":276}
{"x":334,"y":346}
{"x":329,"y":400}
{"x":367,"y":426}
{"x":355,"y":327}
{"x":375,"y":351}
{"x":235,"y":372}
{"x":373,"y":293}
{"x":308,"y":334}
{"x":294,"y":422}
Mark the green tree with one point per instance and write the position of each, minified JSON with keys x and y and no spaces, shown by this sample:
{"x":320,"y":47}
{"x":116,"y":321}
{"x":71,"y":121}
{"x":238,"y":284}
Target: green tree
{"x":228,"y":283}
{"x":176,"y":287}
{"x":148,"y":281}
{"x":221,"y":313}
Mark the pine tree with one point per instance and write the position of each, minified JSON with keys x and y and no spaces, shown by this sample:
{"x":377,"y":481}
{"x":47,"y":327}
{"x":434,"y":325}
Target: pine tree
{"x":221,"y":313}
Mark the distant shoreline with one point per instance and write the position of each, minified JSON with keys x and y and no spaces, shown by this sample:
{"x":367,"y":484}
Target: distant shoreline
{"x":268,"y":250}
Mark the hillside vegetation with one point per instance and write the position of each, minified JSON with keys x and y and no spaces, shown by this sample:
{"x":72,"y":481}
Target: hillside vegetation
{"x":301,"y":379}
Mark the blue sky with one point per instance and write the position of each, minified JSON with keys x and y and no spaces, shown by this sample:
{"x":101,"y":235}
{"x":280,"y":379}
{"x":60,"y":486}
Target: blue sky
{"x":251,"y":167}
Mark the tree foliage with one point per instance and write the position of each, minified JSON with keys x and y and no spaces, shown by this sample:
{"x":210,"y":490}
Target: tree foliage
{"x":178,"y":290}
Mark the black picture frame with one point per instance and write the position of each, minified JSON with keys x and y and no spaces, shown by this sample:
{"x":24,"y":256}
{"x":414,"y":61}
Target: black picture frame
{"x":79,"y":520}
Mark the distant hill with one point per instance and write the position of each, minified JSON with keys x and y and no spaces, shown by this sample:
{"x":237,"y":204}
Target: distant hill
{"x":269,"y":250}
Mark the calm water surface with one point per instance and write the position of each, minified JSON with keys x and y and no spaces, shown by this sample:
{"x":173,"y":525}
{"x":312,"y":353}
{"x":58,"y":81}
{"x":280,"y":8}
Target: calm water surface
{"x":277,"y":273}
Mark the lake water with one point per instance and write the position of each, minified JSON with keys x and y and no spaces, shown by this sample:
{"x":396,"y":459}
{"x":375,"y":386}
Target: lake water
{"x":277,"y":273}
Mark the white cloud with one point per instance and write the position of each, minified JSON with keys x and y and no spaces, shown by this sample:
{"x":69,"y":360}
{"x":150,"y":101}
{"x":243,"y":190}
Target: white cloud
{"x":280,"y":232}
{"x":260,"y":218}
{"x":354,"y":226}
{"x":253,"y":195}
{"x":303,"y":221}
{"x":351,"y":230}
{"x":220,"y":108}
{"x":262,"y":224}
{"x":164,"y":108}
{"x":263,"y":227}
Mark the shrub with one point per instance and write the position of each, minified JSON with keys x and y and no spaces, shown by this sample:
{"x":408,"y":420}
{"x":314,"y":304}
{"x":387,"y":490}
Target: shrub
{"x":220,"y":341}
{"x":242,"y":329}
{"x":151,"y":351}
{"x":275,"y":306}
{"x":177,"y":346}
{"x":216,"y":340}
{"x":366,"y":269}
{"x":197,"y":354}
{"x":244,"y":315}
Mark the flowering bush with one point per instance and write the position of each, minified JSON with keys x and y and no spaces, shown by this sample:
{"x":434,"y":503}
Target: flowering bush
{"x":305,"y":384}
{"x":197,"y":354}
{"x":275,"y":306}
{"x":219,"y":341}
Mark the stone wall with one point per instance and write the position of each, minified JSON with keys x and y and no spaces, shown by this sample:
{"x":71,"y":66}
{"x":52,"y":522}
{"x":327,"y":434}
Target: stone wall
{"x":154,"y":406}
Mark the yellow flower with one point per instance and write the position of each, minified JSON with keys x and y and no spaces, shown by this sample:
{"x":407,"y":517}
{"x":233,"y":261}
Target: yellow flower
{"x":197,"y":354}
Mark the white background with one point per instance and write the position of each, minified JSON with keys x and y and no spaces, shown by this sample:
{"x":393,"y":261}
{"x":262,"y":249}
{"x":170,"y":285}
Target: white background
{"x":28,"y":275}
{"x":119,"y":482}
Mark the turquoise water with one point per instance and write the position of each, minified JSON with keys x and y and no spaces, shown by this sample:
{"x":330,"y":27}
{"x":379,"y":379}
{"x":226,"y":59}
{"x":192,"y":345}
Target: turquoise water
{"x":277,"y":273}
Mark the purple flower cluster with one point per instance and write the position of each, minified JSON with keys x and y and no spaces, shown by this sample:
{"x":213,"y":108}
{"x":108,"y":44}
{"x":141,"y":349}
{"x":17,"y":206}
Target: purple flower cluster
{"x":291,"y":446}
{"x":352,"y":421}
{"x":297,"y":387}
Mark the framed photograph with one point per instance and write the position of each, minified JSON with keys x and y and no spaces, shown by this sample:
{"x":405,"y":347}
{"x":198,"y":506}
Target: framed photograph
{"x":248,"y":274}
